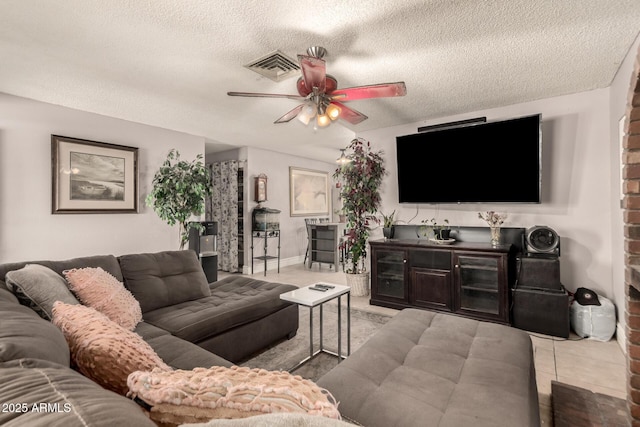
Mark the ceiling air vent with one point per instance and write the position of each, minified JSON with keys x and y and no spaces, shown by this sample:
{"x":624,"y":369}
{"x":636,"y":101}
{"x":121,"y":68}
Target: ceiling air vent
{"x":276,"y":65}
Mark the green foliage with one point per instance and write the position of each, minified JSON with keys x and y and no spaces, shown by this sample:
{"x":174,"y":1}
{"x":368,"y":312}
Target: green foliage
{"x":361,"y":179}
{"x":433,"y":225}
{"x":387,"y":220}
{"x":179,"y":191}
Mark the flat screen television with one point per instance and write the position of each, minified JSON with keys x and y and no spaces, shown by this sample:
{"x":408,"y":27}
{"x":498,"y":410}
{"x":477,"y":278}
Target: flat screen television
{"x":494,"y":162}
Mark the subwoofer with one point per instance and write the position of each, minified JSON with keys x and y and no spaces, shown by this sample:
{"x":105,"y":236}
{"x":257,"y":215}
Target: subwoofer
{"x":542,"y":241}
{"x":539,"y":272}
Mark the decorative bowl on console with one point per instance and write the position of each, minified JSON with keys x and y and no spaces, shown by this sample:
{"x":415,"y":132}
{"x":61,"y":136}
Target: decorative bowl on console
{"x":440,"y":231}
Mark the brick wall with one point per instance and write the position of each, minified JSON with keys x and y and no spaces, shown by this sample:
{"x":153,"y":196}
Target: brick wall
{"x":631,"y":188}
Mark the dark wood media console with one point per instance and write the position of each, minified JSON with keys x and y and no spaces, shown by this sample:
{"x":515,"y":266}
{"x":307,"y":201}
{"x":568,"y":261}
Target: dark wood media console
{"x":468,"y":278}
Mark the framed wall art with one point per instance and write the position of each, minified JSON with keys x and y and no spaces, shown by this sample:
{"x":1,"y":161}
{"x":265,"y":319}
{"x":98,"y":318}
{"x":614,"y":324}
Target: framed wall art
{"x":309,"y":192}
{"x":93,"y":177}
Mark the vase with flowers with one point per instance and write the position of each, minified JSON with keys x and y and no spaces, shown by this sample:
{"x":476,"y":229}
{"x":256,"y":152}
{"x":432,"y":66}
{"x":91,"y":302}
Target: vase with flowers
{"x":495,"y":220}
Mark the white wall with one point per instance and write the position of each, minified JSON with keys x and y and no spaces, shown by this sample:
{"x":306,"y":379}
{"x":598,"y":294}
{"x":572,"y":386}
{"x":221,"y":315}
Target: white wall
{"x":28,"y":230}
{"x":576,"y":183}
{"x":293,"y":232}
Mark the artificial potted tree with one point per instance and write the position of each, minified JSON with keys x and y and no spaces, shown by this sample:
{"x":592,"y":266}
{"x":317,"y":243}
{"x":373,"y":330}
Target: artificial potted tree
{"x":179,"y":191}
{"x":361,"y":178}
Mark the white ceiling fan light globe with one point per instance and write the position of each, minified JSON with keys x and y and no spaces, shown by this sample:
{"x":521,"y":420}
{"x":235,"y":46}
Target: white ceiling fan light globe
{"x":333,"y":111}
{"x":307,"y":113}
{"x":323,"y":120}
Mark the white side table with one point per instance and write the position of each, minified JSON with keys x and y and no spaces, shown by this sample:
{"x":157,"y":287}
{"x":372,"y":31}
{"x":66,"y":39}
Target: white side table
{"x":311,"y":298}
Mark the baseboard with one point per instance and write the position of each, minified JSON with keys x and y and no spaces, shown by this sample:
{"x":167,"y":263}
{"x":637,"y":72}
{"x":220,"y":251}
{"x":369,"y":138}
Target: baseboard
{"x":621,"y":337}
{"x":272,"y":264}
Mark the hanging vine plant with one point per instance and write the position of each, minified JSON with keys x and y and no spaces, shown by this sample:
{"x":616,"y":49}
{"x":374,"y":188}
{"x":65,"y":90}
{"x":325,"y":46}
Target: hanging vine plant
{"x":179,"y":191}
{"x":361,"y":179}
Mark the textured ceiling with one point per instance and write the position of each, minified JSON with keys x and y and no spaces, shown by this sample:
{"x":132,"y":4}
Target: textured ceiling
{"x":171,"y":63}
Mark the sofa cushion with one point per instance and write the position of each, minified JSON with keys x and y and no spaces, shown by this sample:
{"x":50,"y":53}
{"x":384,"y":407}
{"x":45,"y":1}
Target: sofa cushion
{"x":97,"y":288}
{"x":162,"y":279}
{"x":37,"y":393}
{"x":440,"y":369}
{"x":103,"y":350}
{"x":24,"y":334}
{"x":234,"y":301}
{"x":202,"y":394}
{"x":7,"y":296}
{"x":38,"y":287}
{"x":176,"y":352}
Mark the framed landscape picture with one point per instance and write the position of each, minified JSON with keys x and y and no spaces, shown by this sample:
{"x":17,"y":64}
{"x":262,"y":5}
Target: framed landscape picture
{"x":93,"y":177}
{"x":309,"y":192}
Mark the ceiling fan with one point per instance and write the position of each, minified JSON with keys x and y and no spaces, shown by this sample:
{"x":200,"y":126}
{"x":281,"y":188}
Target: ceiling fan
{"x":320,"y":94}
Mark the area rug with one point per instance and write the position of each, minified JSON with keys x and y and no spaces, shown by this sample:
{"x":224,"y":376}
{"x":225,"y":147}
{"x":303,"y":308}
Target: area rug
{"x":287,"y":354}
{"x":577,"y":407}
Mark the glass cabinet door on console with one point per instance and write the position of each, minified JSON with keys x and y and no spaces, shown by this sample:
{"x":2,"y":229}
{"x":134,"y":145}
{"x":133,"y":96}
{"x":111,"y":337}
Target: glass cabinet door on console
{"x":481,"y":286}
{"x":389,"y":274}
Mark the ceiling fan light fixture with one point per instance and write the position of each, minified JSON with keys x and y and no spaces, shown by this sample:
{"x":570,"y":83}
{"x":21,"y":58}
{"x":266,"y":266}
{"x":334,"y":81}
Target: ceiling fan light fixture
{"x":307,"y":113}
{"x":343,"y":159}
{"x":333,"y":111}
{"x":323,"y":120}
{"x":304,"y":119}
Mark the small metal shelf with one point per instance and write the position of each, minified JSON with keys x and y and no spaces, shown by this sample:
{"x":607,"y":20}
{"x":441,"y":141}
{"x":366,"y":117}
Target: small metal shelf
{"x":265,"y":236}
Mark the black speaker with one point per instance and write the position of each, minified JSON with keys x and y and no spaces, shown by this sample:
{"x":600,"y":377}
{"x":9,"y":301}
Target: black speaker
{"x":540,"y":302}
{"x":210,"y":267}
{"x":542,"y":241}
{"x":543,"y":311}
{"x":541,"y":273}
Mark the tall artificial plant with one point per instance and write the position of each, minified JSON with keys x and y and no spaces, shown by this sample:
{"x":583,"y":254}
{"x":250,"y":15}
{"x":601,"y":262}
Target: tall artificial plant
{"x":179,"y":191}
{"x":361,"y":178}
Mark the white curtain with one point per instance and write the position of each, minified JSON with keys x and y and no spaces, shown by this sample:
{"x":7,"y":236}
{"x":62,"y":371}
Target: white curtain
{"x":222,"y":207}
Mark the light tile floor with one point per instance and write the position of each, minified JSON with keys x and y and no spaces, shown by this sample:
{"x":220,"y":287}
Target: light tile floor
{"x":593,"y":365}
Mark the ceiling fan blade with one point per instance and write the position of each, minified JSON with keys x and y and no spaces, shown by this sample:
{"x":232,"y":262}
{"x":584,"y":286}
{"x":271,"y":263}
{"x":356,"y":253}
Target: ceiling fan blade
{"x":349,"y":114}
{"x":290,"y":115}
{"x":314,"y":73}
{"x":382,"y":90}
{"x":265,"y":95}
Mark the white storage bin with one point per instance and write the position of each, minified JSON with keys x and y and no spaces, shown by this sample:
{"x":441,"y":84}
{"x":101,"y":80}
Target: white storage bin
{"x":596,"y":322}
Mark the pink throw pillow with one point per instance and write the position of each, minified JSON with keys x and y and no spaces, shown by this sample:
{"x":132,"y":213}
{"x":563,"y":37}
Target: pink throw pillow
{"x":203,"y":394}
{"x":97,"y":288}
{"x":101,"y":349}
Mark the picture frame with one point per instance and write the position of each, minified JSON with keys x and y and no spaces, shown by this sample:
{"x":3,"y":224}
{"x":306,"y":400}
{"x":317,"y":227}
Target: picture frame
{"x":309,"y":192}
{"x":93,"y":177}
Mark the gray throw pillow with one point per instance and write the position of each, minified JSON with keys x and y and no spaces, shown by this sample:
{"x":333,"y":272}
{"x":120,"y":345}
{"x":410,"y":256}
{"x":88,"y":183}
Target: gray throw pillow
{"x":38,"y":287}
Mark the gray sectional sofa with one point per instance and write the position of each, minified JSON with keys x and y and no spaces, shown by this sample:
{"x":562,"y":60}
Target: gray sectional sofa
{"x":421,"y":369}
{"x":233,"y":318}
{"x":188,"y":322}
